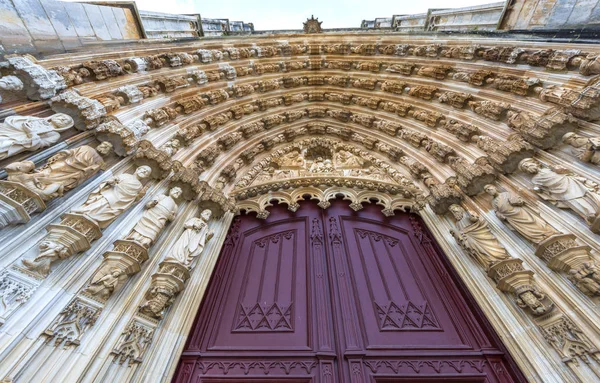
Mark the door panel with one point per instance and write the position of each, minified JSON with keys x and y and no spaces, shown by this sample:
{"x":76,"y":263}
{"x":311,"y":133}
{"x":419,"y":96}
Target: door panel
{"x":338,"y":296}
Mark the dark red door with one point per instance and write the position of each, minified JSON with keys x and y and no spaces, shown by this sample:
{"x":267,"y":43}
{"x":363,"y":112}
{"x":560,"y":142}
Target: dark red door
{"x":338,"y":296}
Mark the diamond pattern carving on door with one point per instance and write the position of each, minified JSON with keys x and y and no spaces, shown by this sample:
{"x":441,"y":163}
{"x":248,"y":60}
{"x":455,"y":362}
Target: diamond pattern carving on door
{"x":335,"y":296}
{"x":408,"y":316}
{"x":265,"y":318}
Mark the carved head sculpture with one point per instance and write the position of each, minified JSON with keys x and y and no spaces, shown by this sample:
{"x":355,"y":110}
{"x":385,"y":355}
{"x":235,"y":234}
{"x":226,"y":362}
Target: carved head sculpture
{"x":529,"y":165}
{"x":104,"y":148}
{"x":20,"y":167}
{"x":61,"y":121}
{"x":574,"y":139}
{"x":491,"y":190}
{"x":206,"y":214}
{"x":175,"y":192}
{"x":143,"y":172}
{"x":457,"y":211}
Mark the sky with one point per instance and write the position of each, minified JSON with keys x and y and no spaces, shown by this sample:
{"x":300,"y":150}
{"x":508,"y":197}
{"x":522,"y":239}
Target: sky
{"x":290,"y":14}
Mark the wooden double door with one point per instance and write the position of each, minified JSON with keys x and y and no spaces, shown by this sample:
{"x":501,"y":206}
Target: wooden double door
{"x":338,"y":296}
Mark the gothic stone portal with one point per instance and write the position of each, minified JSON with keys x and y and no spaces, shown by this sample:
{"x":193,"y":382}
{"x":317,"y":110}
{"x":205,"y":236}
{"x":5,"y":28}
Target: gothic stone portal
{"x":338,"y":296}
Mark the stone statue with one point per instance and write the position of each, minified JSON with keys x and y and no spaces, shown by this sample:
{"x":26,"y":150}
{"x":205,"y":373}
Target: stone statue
{"x":345,"y":159}
{"x":566,"y":190}
{"x":191,"y":243}
{"x":474,"y":235}
{"x":512,"y":209}
{"x":318,"y":166}
{"x":64,"y":171}
{"x":587,"y":149}
{"x":113,"y":197}
{"x":158,"y":211}
{"x":50,"y":252}
{"x":292,"y":159}
{"x":105,"y":282}
{"x":27,"y":133}
{"x":22,"y":172}
{"x":586,"y":278}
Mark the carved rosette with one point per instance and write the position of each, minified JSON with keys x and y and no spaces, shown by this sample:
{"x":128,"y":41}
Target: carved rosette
{"x":18,"y":203}
{"x":86,"y":113}
{"x":159,"y":161}
{"x":166,"y":283}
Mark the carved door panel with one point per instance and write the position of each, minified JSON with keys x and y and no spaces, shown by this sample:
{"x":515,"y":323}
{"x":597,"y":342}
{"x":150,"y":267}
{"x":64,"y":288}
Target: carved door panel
{"x":336,"y":296}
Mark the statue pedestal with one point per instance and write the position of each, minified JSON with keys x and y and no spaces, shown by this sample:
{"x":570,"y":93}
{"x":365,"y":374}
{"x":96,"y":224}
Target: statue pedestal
{"x":166,"y":283}
{"x":17,"y":203}
{"x":562,"y":253}
{"x":75,"y":231}
{"x":510,"y":275}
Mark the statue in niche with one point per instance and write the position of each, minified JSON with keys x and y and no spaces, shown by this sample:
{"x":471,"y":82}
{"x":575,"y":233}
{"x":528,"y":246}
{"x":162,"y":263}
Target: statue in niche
{"x":27,"y":133}
{"x":159,"y":211}
{"x":565,"y":190}
{"x":587,"y":149}
{"x":106,"y":281}
{"x":63,"y":172}
{"x":474,"y":235}
{"x":345,"y":159}
{"x":192,"y":242}
{"x":523,"y":219}
{"x":113,"y":197}
{"x":50,"y":252}
{"x":292,"y":159}
{"x":586,"y":278}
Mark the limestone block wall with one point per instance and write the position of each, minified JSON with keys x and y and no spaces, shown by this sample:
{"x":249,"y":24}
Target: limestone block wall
{"x":49,"y":26}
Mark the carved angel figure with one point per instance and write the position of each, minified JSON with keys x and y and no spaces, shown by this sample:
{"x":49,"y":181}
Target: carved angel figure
{"x":587,"y":149}
{"x":50,"y":252}
{"x":159,"y":211}
{"x":113,"y":197}
{"x":525,"y":221}
{"x":292,"y":159}
{"x":27,"y":133}
{"x":474,"y":235}
{"x":564,"y":189}
{"x":191,"y":243}
{"x":106,"y":281}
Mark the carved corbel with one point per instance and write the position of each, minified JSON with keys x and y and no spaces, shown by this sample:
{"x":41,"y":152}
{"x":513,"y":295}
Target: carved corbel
{"x":187,"y":179}
{"x":158,"y":160}
{"x":124,"y":139}
{"x":86,"y":113}
{"x":34,"y":81}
